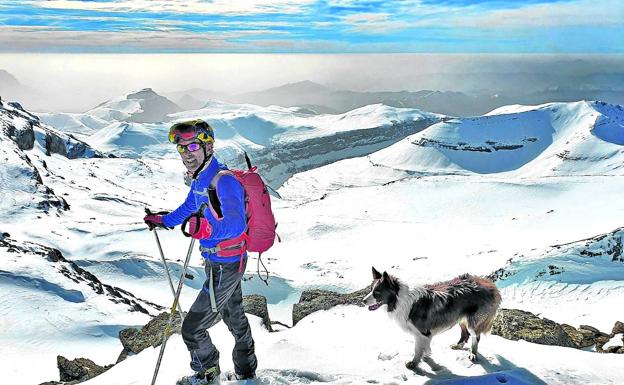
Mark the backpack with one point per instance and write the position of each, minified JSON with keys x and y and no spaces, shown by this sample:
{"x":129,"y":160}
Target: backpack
{"x":261,"y":225}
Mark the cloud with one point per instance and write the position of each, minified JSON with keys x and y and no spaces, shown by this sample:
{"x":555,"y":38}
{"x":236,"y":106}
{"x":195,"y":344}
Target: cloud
{"x":215,"y":7}
{"x":376,"y":23}
{"x":572,"y":13}
{"x":37,"y":39}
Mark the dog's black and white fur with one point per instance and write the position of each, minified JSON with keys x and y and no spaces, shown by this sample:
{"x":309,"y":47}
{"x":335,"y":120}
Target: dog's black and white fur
{"x":428,"y":310}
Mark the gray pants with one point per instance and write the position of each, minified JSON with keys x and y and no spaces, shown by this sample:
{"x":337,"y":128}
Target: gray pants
{"x":229,"y":301}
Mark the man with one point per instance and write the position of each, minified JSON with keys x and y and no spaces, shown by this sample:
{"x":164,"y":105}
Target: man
{"x":213,"y":217}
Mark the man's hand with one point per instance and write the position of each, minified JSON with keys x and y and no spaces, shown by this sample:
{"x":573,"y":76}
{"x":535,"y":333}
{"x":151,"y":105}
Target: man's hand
{"x":199,"y":230}
{"x":153,"y":220}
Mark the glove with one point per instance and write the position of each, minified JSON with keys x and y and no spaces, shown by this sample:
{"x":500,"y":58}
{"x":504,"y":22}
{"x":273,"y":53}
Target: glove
{"x":201,"y":230}
{"x":153,"y":220}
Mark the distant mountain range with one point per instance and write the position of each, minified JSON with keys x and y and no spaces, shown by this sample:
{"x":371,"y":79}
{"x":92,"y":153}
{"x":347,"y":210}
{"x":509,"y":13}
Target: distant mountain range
{"x":488,"y":91}
{"x":317,"y":98}
{"x":11,"y":89}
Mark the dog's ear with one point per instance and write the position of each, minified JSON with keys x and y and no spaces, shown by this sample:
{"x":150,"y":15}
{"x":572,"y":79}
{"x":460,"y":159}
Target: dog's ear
{"x":376,"y":274}
{"x":391,"y":280}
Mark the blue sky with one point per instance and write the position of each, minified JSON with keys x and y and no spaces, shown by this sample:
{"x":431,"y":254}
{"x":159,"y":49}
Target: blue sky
{"x":312,"y":26}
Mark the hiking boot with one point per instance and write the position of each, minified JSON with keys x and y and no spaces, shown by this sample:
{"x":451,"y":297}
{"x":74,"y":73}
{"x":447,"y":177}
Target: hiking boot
{"x":209,"y":377}
{"x":246,"y":376}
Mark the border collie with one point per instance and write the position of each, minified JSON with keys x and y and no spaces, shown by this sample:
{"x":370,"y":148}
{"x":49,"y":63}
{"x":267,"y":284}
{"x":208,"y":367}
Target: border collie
{"x":425,"y":311}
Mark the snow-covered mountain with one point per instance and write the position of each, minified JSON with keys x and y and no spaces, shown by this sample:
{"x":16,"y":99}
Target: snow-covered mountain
{"x":284,"y":141}
{"x":426,"y":207}
{"x":127,"y":139}
{"x":23,"y":187}
{"x":144,"y":106}
{"x":81,"y":125}
{"x":281,"y":141}
{"x":555,"y":139}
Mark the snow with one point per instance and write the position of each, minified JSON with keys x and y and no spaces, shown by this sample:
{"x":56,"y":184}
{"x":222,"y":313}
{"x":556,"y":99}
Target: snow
{"x":425,"y":213}
{"x":343,"y":345}
{"x":79,"y":124}
{"x":284,"y":124}
{"x":555,"y":139}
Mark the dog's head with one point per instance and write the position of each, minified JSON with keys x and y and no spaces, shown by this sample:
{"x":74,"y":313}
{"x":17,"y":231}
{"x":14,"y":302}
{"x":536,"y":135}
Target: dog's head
{"x":384,"y":291}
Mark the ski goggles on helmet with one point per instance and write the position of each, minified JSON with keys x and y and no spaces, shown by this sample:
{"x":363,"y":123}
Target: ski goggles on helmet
{"x":191,"y":147}
{"x":193,"y":129}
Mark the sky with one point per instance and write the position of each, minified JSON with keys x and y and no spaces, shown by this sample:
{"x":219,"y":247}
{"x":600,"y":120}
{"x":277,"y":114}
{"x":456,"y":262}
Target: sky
{"x":312,"y":26}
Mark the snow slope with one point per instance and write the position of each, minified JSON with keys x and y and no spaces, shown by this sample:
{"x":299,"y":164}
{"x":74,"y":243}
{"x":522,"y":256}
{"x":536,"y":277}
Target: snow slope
{"x":79,"y":124}
{"x":556,"y":139}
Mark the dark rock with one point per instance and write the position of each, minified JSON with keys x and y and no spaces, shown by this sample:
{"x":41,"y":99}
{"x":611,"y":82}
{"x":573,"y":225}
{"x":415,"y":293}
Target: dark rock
{"x":24,"y":137}
{"x":16,"y":105}
{"x":615,"y":349}
{"x":123,"y":355}
{"x":78,"y":370}
{"x":617,"y":328}
{"x":599,"y":337}
{"x":582,"y":338}
{"x":590,"y":328}
{"x":516,"y":324}
{"x":257,"y":305}
{"x":55,"y":145}
{"x":135,"y":340}
{"x":315,"y":300}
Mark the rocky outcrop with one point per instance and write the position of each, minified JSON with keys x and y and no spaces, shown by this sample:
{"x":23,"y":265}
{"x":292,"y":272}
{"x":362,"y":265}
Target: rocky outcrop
{"x":151,"y":334}
{"x":585,"y":336}
{"x":257,"y":305}
{"x":24,"y":137}
{"x":515,"y":324}
{"x":21,"y":126}
{"x":54,"y":145}
{"x":76,"y":371}
{"x":618,"y":328}
{"x":315,"y":300}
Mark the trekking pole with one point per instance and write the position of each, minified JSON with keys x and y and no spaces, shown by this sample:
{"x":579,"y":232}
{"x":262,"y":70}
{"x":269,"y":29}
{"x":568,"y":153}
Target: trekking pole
{"x":173,"y":309}
{"x":162,"y":256}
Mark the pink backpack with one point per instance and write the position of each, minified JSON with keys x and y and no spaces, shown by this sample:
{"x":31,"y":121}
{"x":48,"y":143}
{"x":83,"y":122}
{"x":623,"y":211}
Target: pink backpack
{"x":261,"y":225}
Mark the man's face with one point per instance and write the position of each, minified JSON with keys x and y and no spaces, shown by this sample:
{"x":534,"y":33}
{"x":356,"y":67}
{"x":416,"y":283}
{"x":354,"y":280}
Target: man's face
{"x":192,"y":160}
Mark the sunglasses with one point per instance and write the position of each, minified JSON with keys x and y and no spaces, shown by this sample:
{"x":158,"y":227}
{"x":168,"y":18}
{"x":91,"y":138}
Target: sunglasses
{"x":191,"y":147}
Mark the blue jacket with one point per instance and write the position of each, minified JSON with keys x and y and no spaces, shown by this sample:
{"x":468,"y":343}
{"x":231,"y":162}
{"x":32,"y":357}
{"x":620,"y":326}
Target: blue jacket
{"x":232,"y":198}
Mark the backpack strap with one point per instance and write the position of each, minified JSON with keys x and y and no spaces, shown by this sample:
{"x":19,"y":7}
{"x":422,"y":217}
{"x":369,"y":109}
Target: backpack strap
{"x":215,"y":179}
{"x":213,"y":198}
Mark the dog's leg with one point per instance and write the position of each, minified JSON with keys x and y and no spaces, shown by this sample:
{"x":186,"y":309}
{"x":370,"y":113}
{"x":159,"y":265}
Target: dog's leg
{"x":432,"y":364}
{"x":474,"y":345}
{"x":421,"y":346}
{"x":463,"y":338}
